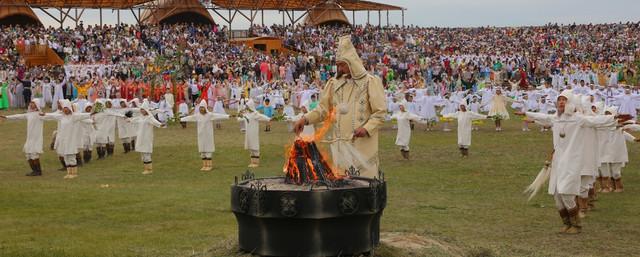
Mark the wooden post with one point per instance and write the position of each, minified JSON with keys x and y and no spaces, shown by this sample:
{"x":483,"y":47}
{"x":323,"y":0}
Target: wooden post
{"x":387,"y":18}
{"x":118,"y":16}
{"x":262,"y":17}
{"x":100,"y":16}
{"x":379,"y":19}
{"x":61,"y":19}
{"x":368,"y":17}
{"x":76,"y":17}
{"x":353,"y":17}
{"x":230,"y":33}
{"x":402,"y":18}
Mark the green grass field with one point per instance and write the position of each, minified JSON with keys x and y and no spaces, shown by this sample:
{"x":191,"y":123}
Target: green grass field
{"x":462,"y":207}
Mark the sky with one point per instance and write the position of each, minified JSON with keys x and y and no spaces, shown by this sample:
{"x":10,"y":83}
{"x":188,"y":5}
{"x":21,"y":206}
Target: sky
{"x":447,"y":13}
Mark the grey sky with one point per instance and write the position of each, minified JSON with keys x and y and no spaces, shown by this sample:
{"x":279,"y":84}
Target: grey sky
{"x":456,"y":13}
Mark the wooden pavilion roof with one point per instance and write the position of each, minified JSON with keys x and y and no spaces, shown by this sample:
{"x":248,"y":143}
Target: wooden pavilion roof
{"x":348,"y":5}
{"x":302,"y":5}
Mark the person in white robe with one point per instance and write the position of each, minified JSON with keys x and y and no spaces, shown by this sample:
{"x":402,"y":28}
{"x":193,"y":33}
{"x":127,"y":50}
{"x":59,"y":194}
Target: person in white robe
{"x":126,"y":130}
{"x":309,"y":130}
{"x":498,"y":110}
{"x":33,"y":145}
{"x":449,"y":107}
{"x":568,"y":163}
{"x":627,"y":103}
{"x":218,"y":108}
{"x":252,"y":119}
{"x":105,"y":125}
{"x":465,"y":120}
{"x":144,"y":143}
{"x":427,"y":106}
{"x":289,"y":113}
{"x":88,"y":134}
{"x":403,"y":136}
{"x":47,"y":92}
{"x":58,"y":92}
{"x":183,"y":111}
{"x":206,"y":143}
{"x":68,"y":136}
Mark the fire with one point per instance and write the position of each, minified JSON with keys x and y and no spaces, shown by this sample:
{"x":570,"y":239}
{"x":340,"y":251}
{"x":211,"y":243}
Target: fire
{"x":305,"y":162}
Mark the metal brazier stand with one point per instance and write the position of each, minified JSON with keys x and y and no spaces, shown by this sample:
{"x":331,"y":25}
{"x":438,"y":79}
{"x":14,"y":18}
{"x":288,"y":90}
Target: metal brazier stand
{"x":322,"y":219}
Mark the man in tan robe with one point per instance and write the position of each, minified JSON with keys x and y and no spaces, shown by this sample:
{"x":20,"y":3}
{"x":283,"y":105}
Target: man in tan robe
{"x":360,"y":107}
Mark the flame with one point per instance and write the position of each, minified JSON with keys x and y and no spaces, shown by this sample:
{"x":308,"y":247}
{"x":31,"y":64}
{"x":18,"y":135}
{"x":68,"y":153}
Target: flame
{"x":306,"y":163}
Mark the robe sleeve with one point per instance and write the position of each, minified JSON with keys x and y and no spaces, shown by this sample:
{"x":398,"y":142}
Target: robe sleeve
{"x":81,"y":116}
{"x":262,"y":117}
{"x":477,"y":116}
{"x":542,"y":118}
{"x":17,"y":117}
{"x":632,"y":127}
{"x":217,"y":116}
{"x":451,"y":115}
{"x":378,"y":105}
{"x":628,"y":137}
{"x":52,"y":116}
{"x":190,"y":118}
{"x":599,"y":121}
{"x":318,"y":114}
{"x":414,"y":117}
{"x":154,"y":122}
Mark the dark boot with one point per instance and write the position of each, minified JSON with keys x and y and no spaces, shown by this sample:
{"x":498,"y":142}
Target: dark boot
{"x":109,"y":149}
{"x":405,"y":154}
{"x":583,"y":206}
{"x":34,"y":169}
{"x":64,"y":165}
{"x":592,"y":198}
{"x":574,"y":218}
{"x":617,"y":183}
{"x":564,"y":214}
{"x":79,"y":160}
{"x":132,"y":145}
{"x":183,"y":124}
{"x":127,"y":147}
{"x":100,"y":151}
{"x":87,"y":156}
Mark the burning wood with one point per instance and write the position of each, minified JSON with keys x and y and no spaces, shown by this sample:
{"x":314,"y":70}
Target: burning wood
{"x":306,"y":165}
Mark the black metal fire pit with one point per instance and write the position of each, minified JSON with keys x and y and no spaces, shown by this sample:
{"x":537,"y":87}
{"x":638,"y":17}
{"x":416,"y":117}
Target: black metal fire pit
{"x":321,"y":218}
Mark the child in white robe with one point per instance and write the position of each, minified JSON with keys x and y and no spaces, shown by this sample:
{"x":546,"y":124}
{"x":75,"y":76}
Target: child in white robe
{"x":289,"y":113}
{"x":105,"y":124}
{"x":449,"y":107}
{"x":206,"y":143}
{"x":465,"y":119}
{"x":68,"y":136}
{"x":218,"y":108}
{"x":498,"y":110}
{"x":33,"y":145}
{"x":252,"y":119}
{"x":144,"y":143}
{"x":88,"y":134}
{"x":183,"y":111}
{"x":403,"y":137}
{"x":309,"y":130}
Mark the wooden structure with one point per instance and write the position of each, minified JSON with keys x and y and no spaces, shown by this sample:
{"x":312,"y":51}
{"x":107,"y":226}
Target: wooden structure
{"x":18,"y":13}
{"x":270,"y":45}
{"x":227,"y":10}
{"x":177,"y":11}
{"x":328,"y":13}
{"x":37,"y":55}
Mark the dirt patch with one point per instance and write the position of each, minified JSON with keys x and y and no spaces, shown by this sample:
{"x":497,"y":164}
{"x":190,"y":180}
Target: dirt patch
{"x":417,"y":243}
